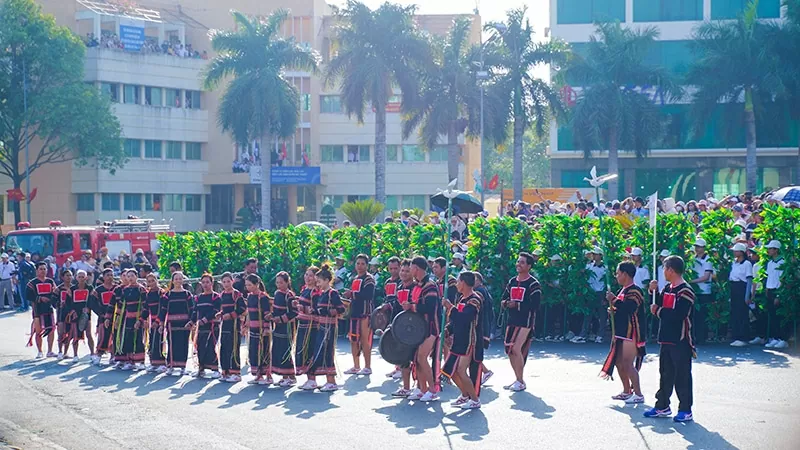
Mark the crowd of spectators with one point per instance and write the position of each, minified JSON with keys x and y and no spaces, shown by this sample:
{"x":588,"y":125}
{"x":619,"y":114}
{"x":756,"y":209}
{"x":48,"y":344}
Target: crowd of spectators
{"x":150,"y":46}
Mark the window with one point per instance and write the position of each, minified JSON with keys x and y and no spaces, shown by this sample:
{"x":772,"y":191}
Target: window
{"x":193,"y":99}
{"x":438,"y":153}
{"x":131,"y":94}
{"x":193,"y":202}
{"x":731,"y":9}
{"x":332,"y":153}
{"x":132,"y":202}
{"x":391,"y":203}
{"x":413,"y":153}
{"x":111,"y":90}
{"x":305,"y":100}
{"x":152,"y":96}
{"x":392,"y":154}
{"x":152,"y":202}
{"x":193,"y":152}
{"x":733,"y":181}
{"x":64,"y":243}
{"x":331,"y":104}
{"x":133,"y":148}
{"x":110,"y":202}
{"x":219,"y":205}
{"x":174,"y":98}
{"x":413,"y":201}
{"x":667,"y":10}
{"x":674,"y":56}
{"x":333,"y":200}
{"x":85,"y":202}
{"x":358,"y":153}
{"x":174,"y":150}
{"x":589,"y":11}
{"x":355,"y":198}
{"x":152,"y":149}
{"x":85,"y":241}
{"x":173,"y":202}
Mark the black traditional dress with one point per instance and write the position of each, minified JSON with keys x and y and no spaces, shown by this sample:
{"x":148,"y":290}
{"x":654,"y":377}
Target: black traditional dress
{"x":326,"y":309}
{"x":233,"y":304}
{"x":156,"y":339}
{"x":206,"y":331}
{"x":41,"y":294}
{"x":101,"y":305}
{"x":174,"y":314}
{"x":130,"y":331}
{"x":465,"y":328}
{"x":306,"y":331}
{"x":283,"y":336}
{"x":259,"y":347}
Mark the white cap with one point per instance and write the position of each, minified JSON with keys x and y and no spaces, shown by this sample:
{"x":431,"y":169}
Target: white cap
{"x":636,"y":251}
{"x":587,"y":252}
{"x":772,"y":244}
{"x":458,"y":255}
{"x":700,"y":242}
{"x":597,"y":250}
{"x":374,"y":261}
{"x":4,"y":255}
{"x":537,"y":252}
{"x":739,"y":247}
{"x":555,"y":258}
{"x":665,"y":253}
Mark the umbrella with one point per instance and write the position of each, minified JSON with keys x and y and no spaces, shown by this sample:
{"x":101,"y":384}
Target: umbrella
{"x":463,"y":203}
{"x":312,"y":224}
{"x":787,"y":194}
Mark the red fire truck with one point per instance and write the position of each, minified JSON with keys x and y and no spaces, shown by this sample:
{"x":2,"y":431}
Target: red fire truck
{"x":62,"y":242}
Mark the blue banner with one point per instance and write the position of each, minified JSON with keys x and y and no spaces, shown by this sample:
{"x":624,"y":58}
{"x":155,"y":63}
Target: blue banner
{"x":131,"y":37}
{"x":287,"y":175}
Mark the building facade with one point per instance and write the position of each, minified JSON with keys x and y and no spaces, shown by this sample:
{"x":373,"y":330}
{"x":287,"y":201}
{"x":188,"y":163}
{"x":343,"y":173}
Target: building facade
{"x":182,"y":169}
{"x":684,"y":165}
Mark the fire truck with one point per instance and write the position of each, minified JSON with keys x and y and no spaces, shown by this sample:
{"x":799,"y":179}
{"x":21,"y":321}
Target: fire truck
{"x":61,"y":241}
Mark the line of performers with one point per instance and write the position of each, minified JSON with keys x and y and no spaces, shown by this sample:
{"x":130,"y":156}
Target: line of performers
{"x":291,"y":335}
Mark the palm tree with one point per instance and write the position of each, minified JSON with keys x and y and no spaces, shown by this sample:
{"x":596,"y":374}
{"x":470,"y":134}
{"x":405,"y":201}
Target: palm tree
{"x":732,"y":67}
{"x":376,"y":50}
{"x":608,"y":114}
{"x":511,"y":56}
{"x":784,"y":40}
{"x":448,"y":94}
{"x":258,"y":102}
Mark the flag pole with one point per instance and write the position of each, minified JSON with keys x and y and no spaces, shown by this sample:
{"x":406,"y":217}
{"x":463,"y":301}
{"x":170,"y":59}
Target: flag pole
{"x":654,"y":225}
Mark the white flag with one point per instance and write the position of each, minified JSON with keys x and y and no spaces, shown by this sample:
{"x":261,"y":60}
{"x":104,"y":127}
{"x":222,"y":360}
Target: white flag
{"x":653,"y":206}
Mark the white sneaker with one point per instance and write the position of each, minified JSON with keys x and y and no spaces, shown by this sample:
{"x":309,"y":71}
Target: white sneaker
{"x":757,"y":341}
{"x":75,"y":359}
{"x":253,"y":381}
{"x":162,"y":369}
{"x":459,"y":401}
{"x":391,"y":374}
{"x":771,"y":343}
{"x":429,"y":397}
{"x":351,"y":371}
{"x":598,"y":340}
{"x":127,"y":366}
{"x":198,"y":374}
{"x":182,"y":372}
{"x":634,"y":399}
{"x":365,"y":371}
{"x":60,"y":357}
{"x":309,"y":385}
{"x":416,"y":394}
{"x":139,"y":366}
{"x":398,"y":374}
{"x":233,"y":379}
{"x":738,"y":343}
{"x":471,"y":404}
{"x":39,"y":355}
{"x":329,"y":387}
{"x":265,"y":382}
{"x":569,"y":336}
{"x":401,"y":393}
{"x":486,"y":375}
{"x":95,"y":359}
{"x":517,"y":387}
{"x":214,"y":375}
{"x":578,"y":340}
{"x":781,"y":344}
{"x":117,"y":364}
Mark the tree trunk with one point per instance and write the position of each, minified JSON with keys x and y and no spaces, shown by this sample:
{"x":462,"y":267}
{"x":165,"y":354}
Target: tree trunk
{"x":380,"y":154}
{"x":613,"y":167}
{"x":453,"y":155}
{"x":266,"y":186}
{"x":751,"y":165}
{"x":517,"y":171}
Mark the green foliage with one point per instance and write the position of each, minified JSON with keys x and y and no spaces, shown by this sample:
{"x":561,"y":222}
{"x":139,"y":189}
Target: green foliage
{"x":534,"y":159}
{"x":362,"y":212}
{"x":783,"y":224}
{"x":718,"y":231}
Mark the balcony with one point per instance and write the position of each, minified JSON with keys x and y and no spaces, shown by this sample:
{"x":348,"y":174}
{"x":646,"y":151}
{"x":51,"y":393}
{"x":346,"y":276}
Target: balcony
{"x":143,"y":176}
{"x":162,"y":123}
{"x":406,"y":178}
{"x":117,"y":66}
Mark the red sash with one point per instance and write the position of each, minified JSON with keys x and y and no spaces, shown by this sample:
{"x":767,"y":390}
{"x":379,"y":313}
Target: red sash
{"x":402,"y":296}
{"x":415,"y":294}
{"x":390,"y":289}
{"x":106,"y":297}
{"x":80,"y":295}
{"x":44,"y":288}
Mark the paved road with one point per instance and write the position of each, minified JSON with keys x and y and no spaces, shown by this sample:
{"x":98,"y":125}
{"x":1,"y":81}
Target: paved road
{"x":743,"y":399}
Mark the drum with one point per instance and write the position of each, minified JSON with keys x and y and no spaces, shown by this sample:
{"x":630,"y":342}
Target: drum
{"x":380,"y":319}
{"x":410,"y":328}
{"x":393,"y":351}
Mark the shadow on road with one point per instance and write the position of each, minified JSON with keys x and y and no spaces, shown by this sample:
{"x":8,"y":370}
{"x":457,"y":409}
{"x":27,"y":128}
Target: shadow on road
{"x":306,"y":404}
{"x":525,"y":401}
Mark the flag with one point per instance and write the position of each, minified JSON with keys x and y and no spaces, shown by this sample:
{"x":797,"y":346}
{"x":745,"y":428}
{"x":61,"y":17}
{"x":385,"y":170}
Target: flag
{"x":33,"y":194}
{"x":494,"y":182}
{"x":652,"y":205}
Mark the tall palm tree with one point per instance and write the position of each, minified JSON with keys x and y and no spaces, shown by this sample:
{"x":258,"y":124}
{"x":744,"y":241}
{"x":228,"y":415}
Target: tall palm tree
{"x":784,"y":40}
{"x":258,"y":102}
{"x":608,"y":114}
{"x":376,"y":50}
{"x":448,"y":94}
{"x":732,"y":67}
{"x":512,"y":55}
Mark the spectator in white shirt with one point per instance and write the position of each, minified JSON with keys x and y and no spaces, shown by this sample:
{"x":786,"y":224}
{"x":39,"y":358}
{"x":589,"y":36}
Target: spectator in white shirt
{"x":776,"y":333}
{"x":7,"y":270}
{"x":642,"y":274}
{"x":597,"y":302}
{"x":705,"y":272}
{"x":662,"y":279}
{"x":739,"y":280}
{"x":341,"y":273}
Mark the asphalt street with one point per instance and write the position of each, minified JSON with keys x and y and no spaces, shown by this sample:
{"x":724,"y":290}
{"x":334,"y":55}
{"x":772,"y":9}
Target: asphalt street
{"x":744,"y":398}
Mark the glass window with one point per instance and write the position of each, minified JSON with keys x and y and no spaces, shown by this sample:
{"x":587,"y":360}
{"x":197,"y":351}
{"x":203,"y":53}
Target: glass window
{"x":133,"y":148}
{"x":132,"y":202}
{"x":674,"y":56}
{"x":219,"y":205}
{"x":174,"y":150}
{"x":733,"y":181}
{"x":333,"y":200}
{"x":174,"y":98}
{"x":731,"y":9}
{"x":391,"y":203}
{"x":152,"y":202}
{"x":193,"y":99}
{"x":589,"y":11}
{"x":110,"y":202}
{"x":332,"y":153}
{"x":111,"y":90}
{"x":152,"y":149}
{"x":174,"y":202}
{"x":193,"y":152}
{"x":392,"y":155}
{"x":413,"y":201}
{"x":85,"y":202}
{"x":193,"y":202}
{"x":413,"y":153}
{"x":331,"y":104}
{"x":667,"y":10}
{"x":131,"y":94}
{"x":65,"y":243}
{"x":85,"y":241}
{"x":358,"y":153}
{"x":305,"y":100}
{"x":363,"y":153}
{"x":153,"y":96}
{"x":680,"y":184}
{"x":438,"y":153}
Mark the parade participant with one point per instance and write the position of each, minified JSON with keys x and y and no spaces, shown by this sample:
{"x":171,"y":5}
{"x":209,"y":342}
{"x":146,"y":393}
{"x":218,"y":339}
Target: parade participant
{"x":173,"y":317}
{"x":129,"y":299}
{"x":439,"y":269}
{"x":155,"y":339}
{"x":776,"y":332}
{"x":675,"y":309}
{"x":627,"y":344}
{"x":326,"y":309}
{"x":232,"y":307}
{"x":202,"y":320}
{"x":704,"y":271}
{"x":403,"y":295}
{"x":425,"y":299}
{"x":250,"y":268}
{"x":488,"y":321}
{"x":597,"y":283}
{"x":81,"y":295}
{"x":100,"y":304}
{"x":306,"y":326}
{"x":361,"y":296}
{"x":390,"y":287}
{"x":260,"y":330}
{"x":64,"y":313}
{"x":521,"y":298}
{"x":739,"y":281}
{"x":466,"y":354}
{"x":41,"y":295}
{"x":283,"y":336}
